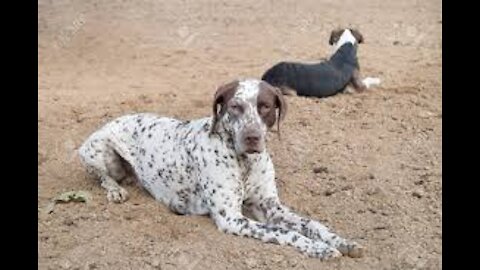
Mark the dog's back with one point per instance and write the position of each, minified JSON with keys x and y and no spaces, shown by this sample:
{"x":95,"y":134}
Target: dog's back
{"x":320,"y":80}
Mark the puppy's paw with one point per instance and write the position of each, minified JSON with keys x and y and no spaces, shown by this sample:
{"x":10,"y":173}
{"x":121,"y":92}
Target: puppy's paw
{"x":117,"y":195}
{"x":371,"y":81}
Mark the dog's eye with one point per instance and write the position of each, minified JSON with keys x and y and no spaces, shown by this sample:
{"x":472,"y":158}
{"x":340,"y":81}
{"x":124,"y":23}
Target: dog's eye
{"x":263,"y":108}
{"x":236,"y":108}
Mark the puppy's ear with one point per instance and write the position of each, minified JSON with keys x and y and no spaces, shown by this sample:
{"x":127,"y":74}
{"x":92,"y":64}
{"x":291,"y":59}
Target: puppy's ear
{"x":223,"y":94}
{"x":358,"y":36}
{"x":335,"y":36}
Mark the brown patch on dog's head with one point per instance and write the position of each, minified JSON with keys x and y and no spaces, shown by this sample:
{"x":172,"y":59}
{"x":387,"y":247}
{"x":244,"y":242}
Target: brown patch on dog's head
{"x":271,"y":105}
{"x":335,"y":36}
{"x":358,"y":36}
{"x":222,"y":96}
{"x":337,"y":33}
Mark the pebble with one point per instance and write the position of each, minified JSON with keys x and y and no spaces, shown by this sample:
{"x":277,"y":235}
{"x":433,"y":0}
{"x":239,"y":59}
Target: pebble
{"x":419,"y":182}
{"x":329,"y":192}
{"x":321,"y":169}
{"x":418,"y":194}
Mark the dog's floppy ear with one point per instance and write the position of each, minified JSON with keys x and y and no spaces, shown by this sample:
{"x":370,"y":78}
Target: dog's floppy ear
{"x":282,"y":107}
{"x":222,"y":96}
{"x":335,"y":36}
{"x":358,"y":36}
{"x":280,"y":110}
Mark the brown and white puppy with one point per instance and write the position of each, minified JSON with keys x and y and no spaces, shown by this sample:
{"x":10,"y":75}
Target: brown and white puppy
{"x":325,"y":78}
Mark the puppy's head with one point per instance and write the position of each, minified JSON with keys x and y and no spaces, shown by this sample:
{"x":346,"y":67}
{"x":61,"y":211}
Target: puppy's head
{"x":246,"y":109}
{"x":338,"y":37}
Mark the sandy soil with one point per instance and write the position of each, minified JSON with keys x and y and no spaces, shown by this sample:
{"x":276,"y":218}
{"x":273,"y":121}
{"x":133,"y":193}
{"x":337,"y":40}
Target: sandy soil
{"x":382,"y":185}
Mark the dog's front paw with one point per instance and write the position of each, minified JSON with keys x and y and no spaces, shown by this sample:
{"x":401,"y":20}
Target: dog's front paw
{"x":323,"y":251}
{"x":352,"y":249}
{"x":371,"y":81}
{"x":117,"y":195}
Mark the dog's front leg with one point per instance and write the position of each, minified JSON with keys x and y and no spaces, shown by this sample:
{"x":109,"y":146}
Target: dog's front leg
{"x":279,"y":215}
{"x":237,"y":224}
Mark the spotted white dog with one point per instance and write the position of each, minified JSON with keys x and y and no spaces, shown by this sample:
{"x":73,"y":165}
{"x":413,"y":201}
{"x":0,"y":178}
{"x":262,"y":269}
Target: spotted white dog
{"x":216,"y":165}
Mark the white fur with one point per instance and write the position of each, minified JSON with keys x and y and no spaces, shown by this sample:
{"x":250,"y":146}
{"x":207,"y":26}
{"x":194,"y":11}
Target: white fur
{"x":247,"y":89}
{"x":346,"y":36}
{"x":371,"y":81}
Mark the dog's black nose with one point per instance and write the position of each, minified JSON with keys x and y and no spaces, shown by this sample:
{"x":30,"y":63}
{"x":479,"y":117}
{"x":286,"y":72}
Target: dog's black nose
{"x":252,"y":139}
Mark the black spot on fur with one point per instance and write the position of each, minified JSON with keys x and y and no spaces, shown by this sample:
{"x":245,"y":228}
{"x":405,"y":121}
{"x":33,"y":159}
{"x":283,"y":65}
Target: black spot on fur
{"x":294,"y":238}
{"x":272,"y":240}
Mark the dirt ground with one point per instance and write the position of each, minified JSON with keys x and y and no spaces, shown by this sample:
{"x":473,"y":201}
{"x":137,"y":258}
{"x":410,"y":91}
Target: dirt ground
{"x":380,"y":151}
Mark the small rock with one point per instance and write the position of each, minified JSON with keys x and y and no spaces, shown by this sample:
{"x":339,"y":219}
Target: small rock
{"x":396,"y":42}
{"x":320,"y":169}
{"x":417,"y":194}
{"x":329,"y":192}
{"x":371,"y":176}
{"x":419,"y":182}
{"x":347,"y":187}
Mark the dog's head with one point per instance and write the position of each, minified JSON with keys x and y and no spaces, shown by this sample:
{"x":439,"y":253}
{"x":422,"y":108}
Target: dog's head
{"x":338,"y":37}
{"x":246,"y":109}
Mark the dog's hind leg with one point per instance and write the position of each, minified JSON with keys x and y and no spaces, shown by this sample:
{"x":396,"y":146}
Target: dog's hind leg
{"x":101,"y":160}
{"x":371,"y":81}
{"x":357,"y":82}
{"x":360,"y":84}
